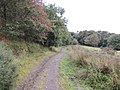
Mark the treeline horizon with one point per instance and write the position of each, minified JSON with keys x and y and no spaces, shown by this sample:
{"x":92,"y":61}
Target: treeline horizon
{"x":97,"y":38}
{"x":46,"y":25}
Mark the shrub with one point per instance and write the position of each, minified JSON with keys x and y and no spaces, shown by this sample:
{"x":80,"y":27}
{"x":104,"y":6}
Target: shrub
{"x":114,"y":41}
{"x":92,"y":40}
{"x":7,"y":68}
{"x":74,"y":42}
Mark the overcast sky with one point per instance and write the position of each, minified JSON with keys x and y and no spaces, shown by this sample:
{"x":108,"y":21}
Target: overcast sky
{"x":91,"y":14}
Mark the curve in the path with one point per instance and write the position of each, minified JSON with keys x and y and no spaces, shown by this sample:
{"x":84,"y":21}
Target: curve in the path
{"x":31,"y":82}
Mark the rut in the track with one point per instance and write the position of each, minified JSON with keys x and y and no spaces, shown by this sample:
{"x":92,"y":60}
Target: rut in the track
{"x":50,"y":68}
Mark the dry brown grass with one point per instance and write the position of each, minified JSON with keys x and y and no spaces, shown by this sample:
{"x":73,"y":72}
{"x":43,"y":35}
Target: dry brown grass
{"x":105,"y":61}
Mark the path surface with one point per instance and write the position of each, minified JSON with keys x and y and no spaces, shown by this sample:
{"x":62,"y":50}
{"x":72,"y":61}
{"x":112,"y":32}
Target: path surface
{"x":44,"y":76}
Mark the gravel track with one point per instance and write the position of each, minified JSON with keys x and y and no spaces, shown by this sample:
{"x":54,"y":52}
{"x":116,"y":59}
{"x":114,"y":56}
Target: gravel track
{"x":51,"y":65}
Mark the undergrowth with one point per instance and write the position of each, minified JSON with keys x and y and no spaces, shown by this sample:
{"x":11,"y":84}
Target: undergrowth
{"x":32,"y":55}
{"x":99,"y":70}
{"x":27,"y":56}
{"x":7,"y":68}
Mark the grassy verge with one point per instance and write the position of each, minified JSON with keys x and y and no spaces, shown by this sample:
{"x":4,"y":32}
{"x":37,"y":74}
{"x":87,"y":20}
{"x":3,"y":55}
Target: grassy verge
{"x":90,"y":68}
{"x":67,"y":73}
{"x":28,"y":55}
{"x":91,"y":48}
{"x":99,"y":70}
{"x":27,"y":63}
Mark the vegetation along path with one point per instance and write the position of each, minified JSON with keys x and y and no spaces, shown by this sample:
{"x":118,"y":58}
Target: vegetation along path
{"x":44,"y":76}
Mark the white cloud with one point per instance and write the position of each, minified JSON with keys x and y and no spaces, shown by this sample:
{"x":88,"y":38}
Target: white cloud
{"x":91,"y":14}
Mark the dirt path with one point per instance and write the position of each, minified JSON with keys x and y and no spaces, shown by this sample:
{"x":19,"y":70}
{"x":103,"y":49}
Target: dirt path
{"x":44,"y":76}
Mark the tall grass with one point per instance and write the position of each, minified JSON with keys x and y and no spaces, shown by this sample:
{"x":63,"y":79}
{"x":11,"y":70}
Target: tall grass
{"x":97,"y":68}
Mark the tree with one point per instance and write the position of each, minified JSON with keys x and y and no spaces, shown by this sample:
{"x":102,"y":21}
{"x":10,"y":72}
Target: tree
{"x":103,"y":36}
{"x":82,"y":36}
{"x":12,"y":11}
{"x":24,"y":19}
{"x":50,"y":39}
{"x":114,"y":41}
{"x":74,"y":42}
{"x":58,"y":22}
{"x":92,"y":40}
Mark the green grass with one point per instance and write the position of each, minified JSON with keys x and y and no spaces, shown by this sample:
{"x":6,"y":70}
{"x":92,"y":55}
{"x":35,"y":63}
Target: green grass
{"x":67,"y":73}
{"x":28,"y":55}
{"x":91,"y":48}
{"x":94,"y":48}
{"x":28,"y":62}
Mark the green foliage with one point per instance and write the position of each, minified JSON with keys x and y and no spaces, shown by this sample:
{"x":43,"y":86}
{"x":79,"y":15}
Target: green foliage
{"x":26,"y":20}
{"x":114,"y":41}
{"x":92,"y":40}
{"x":103,"y":37}
{"x":15,"y":11}
{"x":50,"y":39}
{"x":82,"y":36}
{"x":96,"y":79}
{"x":62,"y":36}
{"x":74,"y":42}
{"x":67,"y":73}
{"x":7,"y":68}
{"x":23,"y":19}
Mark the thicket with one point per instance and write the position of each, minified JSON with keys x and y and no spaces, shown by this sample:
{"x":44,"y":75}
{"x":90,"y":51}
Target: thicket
{"x":7,"y":68}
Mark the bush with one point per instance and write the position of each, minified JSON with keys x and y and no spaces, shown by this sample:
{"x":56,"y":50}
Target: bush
{"x":114,"y":41}
{"x":7,"y":68}
{"x":74,"y":42}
